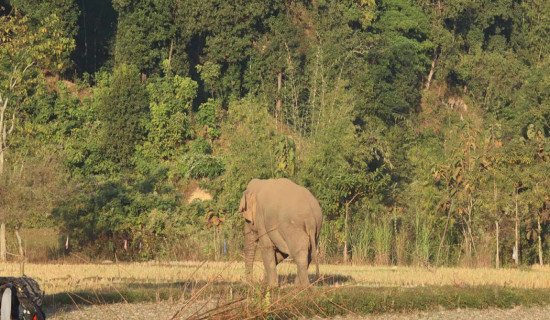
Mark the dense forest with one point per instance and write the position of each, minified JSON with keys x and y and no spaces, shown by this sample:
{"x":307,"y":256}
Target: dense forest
{"x":422,"y":126}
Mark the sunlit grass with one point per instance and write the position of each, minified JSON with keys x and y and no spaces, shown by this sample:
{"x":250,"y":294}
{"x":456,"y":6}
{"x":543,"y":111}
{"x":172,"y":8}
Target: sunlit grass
{"x":57,"y":278}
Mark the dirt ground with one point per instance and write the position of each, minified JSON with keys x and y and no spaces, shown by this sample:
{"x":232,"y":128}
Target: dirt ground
{"x":123,"y":311}
{"x":518,"y":313}
{"x":165,"y":310}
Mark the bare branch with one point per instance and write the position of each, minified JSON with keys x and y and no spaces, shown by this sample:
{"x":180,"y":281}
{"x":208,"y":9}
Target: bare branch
{"x":12,"y":123}
{"x":13,"y":79}
{"x":353,"y":198}
{"x":27,"y":67}
{"x":4,"y":104}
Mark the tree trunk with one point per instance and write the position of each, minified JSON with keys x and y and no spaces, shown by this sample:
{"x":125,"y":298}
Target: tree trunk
{"x":1,"y":157}
{"x":540,"y":242}
{"x":3,"y":253}
{"x":3,"y":131}
{"x":432,"y":70}
{"x":21,"y":252}
{"x":170,"y":54}
{"x":3,"y":137}
{"x":495,"y":198}
{"x":497,"y":256}
{"x":516,"y":258}
{"x":19,"y":242}
{"x":345,"y":254}
{"x":250,"y":243}
{"x":278,"y":107}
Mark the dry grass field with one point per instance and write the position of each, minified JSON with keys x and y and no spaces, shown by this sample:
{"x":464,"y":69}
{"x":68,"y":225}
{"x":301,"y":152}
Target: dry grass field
{"x":364,"y":289}
{"x":58,"y":278}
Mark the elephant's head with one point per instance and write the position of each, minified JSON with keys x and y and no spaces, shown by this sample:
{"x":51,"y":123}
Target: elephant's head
{"x":248,"y":206}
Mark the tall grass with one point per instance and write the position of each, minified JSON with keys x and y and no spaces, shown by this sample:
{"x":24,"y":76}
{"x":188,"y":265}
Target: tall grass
{"x":330,"y":241}
{"x":361,"y":237}
{"x":423,"y":235}
{"x":382,"y":236}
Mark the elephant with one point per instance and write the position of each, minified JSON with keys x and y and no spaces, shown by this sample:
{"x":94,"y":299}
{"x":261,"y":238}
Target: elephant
{"x":285,"y":219}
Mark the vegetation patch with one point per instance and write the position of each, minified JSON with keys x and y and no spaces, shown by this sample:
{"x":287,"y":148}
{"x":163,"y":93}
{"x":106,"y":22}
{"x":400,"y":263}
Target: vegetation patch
{"x":226,"y":300}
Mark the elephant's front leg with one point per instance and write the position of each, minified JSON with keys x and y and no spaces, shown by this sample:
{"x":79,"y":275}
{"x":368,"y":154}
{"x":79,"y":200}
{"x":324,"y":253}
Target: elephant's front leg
{"x":268,"y":255}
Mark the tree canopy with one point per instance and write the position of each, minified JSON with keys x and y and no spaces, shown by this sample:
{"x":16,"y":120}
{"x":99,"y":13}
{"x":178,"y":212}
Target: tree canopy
{"x":421,"y":126}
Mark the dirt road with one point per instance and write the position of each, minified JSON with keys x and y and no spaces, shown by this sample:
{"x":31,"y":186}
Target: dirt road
{"x":518,"y":313}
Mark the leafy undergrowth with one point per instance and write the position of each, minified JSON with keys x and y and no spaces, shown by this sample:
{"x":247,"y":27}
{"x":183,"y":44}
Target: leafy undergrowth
{"x":240,"y":301}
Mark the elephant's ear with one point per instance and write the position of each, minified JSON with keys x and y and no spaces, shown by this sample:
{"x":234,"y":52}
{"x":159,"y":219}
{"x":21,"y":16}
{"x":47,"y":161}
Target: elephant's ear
{"x":249,"y":208}
{"x":242,"y":205}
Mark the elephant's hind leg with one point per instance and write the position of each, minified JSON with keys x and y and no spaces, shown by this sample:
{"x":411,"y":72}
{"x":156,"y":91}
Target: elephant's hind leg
{"x":301,"y":269}
{"x":300,"y":255}
{"x":268,"y":256}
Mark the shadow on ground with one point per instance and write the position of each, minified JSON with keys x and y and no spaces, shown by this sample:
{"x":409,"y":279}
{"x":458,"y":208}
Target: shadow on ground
{"x":133,"y":292}
{"x":323,"y":280}
{"x":140,"y":292}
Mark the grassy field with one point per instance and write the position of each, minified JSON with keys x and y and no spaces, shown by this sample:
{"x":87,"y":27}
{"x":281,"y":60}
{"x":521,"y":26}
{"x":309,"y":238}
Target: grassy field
{"x":58,"y":278}
{"x":346,"y":288}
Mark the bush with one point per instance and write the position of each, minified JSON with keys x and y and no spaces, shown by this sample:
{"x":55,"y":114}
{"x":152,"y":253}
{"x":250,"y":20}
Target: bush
{"x":197,"y":166}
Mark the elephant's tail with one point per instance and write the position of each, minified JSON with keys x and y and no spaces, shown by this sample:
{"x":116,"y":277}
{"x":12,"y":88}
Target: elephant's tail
{"x":313,"y":244}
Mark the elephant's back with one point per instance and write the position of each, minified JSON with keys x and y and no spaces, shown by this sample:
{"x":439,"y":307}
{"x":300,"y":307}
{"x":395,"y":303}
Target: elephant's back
{"x":286,"y":194}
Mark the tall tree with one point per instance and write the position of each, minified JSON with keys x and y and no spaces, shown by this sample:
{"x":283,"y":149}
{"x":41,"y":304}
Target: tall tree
{"x":144,"y":30}
{"x":122,"y":105}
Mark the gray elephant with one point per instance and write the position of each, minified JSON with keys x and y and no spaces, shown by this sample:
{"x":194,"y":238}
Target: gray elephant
{"x":285,"y":219}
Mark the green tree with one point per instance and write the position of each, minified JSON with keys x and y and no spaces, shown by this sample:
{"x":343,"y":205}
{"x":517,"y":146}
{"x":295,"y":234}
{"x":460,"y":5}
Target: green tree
{"x":20,"y":48}
{"x":249,"y":151}
{"x":144,"y":31}
{"x":171,"y":98}
{"x":55,"y":24}
{"x":122,"y":106}
{"x":399,"y":60}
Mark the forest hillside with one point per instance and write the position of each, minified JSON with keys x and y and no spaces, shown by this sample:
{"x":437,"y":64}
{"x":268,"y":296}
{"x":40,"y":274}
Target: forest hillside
{"x":422,"y":126}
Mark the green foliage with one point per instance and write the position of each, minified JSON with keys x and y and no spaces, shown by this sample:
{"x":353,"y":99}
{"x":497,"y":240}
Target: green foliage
{"x":201,"y":146}
{"x":401,"y":32}
{"x":109,"y":212}
{"x":52,"y":26}
{"x":171,"y":99}
{"x":417,"y":124}
{"x":209,"y":119}
{"x":286,"y":156}
{"x":143,"y":29}
{"x":210,"y":73}
{"x":196,"y":166}
{"x":122,"y":104}
{"x":251,"y":139}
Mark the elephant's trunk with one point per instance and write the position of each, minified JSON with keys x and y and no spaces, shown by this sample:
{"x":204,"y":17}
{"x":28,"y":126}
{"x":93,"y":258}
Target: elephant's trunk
{"x":250,"y":242}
